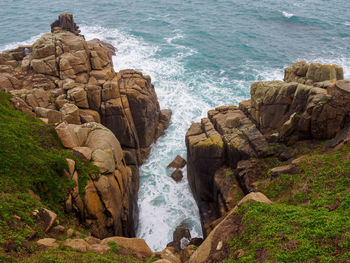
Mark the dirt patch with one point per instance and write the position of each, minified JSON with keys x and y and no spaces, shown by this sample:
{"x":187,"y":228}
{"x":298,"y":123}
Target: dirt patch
{"x":262,"y":255}
{"x":229,"y":228}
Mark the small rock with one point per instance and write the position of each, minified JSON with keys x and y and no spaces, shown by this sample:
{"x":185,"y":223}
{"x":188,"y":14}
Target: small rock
{"x":48,"y":243}
{"x":70,"y":232}
{"x":58,"y":229}
{"x":98,"y":248}
{"x":286,"y":169}
{"x":47,"y":217}
{"x":32,"y":194}
{"x":78,"y":244}
{"x":181,"y":232}
{"x":219,"y":246}
{"x":177,"y":175}
{"x":92,"y":240}
{"x":178,"y":162}
{"x":239,"y":253}
{"x":136,"y":244}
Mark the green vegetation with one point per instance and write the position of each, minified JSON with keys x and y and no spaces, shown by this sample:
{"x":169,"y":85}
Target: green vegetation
{"x":32,"y":158}
{"x":64,"y":256}
{"x":114,"y":247}
{"x":310,"y":218}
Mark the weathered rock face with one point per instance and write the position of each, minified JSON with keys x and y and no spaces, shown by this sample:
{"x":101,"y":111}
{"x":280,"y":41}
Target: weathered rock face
{"x":304,"y":73}
{"x":68,"y":81}
{"x":224,"y":138}
{"x":109,"y":199}
{"x":312,"y":103}
{"x":296,"y":111}
{"x":65,"y":22}
{"x":65,"y":73}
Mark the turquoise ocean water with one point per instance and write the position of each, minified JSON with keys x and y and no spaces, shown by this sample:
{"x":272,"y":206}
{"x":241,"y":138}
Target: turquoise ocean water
{"x":200,"y":54}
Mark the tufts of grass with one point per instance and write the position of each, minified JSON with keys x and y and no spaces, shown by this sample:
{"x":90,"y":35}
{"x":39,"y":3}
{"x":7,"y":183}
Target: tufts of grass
{"x":32,"y":158}
{"x":310,"y":219}
{"x":287,"y":233}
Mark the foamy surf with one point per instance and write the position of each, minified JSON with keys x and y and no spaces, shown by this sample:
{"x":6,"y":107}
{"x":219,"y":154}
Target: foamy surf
{"x":287,"y":15}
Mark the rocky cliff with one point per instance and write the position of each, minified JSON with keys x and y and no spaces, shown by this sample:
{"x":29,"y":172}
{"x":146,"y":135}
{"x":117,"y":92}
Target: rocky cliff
{"x":311,"y":104}
{"x":108,"y":117}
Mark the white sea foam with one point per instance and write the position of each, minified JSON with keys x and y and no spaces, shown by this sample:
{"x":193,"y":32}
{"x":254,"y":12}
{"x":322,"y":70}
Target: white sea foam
{"x":287,"y":15}
{"x":163,"y":203}
{"x":20,"y":43}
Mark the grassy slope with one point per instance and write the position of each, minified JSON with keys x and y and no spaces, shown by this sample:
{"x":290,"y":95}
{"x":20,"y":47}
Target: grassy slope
{"x":32,"y":157}
{"x":310,"y":218}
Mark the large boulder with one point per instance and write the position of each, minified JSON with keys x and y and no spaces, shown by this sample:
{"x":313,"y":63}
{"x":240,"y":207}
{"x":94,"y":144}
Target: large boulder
{"x":109,"y":203}
{"x":138,"y":245}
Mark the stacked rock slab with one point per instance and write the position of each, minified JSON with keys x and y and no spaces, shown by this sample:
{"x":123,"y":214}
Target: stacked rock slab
{"x":64,"y":78}
{"x":304,"y":73}
{"x":294,"y":111}
{"x":223,"y":139}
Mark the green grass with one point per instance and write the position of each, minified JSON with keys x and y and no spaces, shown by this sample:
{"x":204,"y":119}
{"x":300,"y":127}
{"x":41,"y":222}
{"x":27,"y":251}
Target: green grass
{"x":310,"y":218}
{"x":287,"y":233}
{"x":64,"y":256}
{"x":32,"y":158}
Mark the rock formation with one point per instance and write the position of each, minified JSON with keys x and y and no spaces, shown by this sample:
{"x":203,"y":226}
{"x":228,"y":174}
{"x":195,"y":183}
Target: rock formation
{"x":107,"y":206}
{"x":224,"y":138}
{"x":108,"y":117}
{"x":311,"y":103}
{"x":65,"y":22}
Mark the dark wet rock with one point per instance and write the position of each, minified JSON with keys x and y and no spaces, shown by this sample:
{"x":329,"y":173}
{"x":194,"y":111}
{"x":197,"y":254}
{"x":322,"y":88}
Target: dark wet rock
{"x":178,"y":162}
{"x":177,"y":175}
{"x":66,"y":22}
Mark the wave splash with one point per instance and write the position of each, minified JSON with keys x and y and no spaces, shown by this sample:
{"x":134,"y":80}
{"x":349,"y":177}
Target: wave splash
{"x":287,"y":15}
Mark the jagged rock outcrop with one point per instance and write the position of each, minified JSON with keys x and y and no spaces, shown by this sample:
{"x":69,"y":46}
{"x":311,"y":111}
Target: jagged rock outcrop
{"x":65,"y":22}
{"x":312,"y":103}
{"x":297,"y":111}
{"x":107,"y":204}
{"x":70,"y":82}
{"x":304,"y":73}
{"x":64,"y":73}
{"x":224,"y":138}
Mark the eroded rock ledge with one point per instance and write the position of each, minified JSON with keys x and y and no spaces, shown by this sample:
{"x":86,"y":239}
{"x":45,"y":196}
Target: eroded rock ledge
{"x":311,"y":103}
{"x":109,"y":117}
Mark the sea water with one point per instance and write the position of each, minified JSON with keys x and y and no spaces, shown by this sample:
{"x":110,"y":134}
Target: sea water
{"x":200,"y":54}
